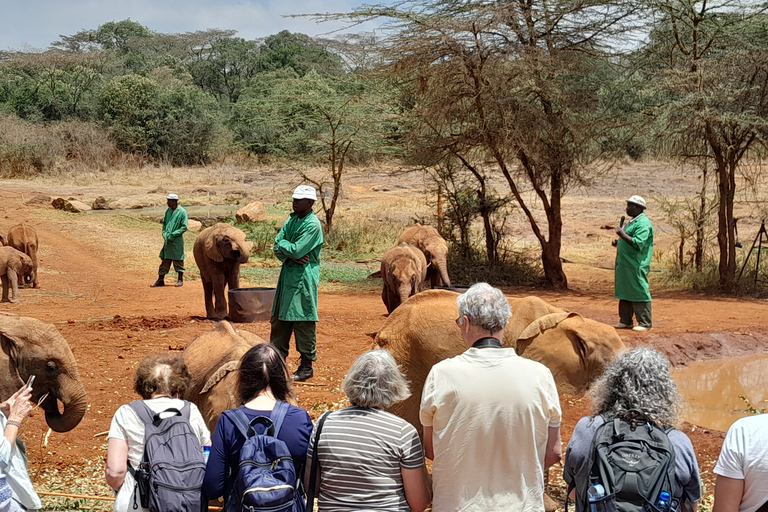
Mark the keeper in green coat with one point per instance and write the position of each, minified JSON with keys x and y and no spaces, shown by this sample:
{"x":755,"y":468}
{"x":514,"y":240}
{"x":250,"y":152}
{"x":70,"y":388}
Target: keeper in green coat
{"x":295,"y":307}
{"x":172,"y":253}
{"x":634,"y":250}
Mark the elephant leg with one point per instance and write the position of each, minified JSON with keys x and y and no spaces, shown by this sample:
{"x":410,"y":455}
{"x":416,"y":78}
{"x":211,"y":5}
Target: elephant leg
{"x":385,"y":297}
{"x":4,"y":279}
{"x":14,"y":282}
{"x":220,"y":299}
{"x":34,"y":268}
{"x":208,"y":295}
{"x":233,"y":279}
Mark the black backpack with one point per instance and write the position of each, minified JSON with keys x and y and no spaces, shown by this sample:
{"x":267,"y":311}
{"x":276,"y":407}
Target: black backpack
{"x":634,"y":460}
{"x":170,"y":475}
{"x":265,"y":478}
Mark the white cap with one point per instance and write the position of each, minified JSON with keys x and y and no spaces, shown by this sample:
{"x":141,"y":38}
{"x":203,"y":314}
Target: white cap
{"x":637,"y":200}
{"x":175,"y":197}
{"x":305,"y":192}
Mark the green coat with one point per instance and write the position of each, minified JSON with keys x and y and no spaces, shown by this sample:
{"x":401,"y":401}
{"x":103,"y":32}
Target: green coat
{"x":633,"y":261}
{"x":296,"y":294}
{"x":174,"y":226}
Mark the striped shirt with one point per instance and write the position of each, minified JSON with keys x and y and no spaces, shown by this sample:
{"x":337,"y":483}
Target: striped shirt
{"x":361,"y":452}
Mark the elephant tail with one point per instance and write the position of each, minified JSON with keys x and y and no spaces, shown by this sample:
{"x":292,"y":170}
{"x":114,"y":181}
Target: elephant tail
{"x":219,"y":374}
{"x":543,"y":323}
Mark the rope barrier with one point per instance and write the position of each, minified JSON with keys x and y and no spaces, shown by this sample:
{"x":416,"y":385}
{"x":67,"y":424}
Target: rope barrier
{"x":89,"y":497}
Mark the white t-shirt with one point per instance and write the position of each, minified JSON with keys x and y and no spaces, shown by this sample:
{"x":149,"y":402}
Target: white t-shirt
{"x":491,"y":411}
{"x":13,"y":466}
{"x":744,"y":456}
{"x":127,"y":425}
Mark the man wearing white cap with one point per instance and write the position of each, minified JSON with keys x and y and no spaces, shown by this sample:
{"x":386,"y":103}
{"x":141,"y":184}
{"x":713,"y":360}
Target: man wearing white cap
{"x":634,"y":249}
{"x":174,"y":226}
{"x":295,"y":307}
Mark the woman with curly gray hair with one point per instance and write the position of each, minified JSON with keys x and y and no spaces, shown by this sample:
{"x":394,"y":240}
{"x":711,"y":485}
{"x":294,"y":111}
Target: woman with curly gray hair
{"x":368,"y":458}
{"x":635,"y":384}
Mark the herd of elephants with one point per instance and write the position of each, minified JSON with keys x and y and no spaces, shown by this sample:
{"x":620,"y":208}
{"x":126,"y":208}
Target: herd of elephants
{"x":419,"y":331}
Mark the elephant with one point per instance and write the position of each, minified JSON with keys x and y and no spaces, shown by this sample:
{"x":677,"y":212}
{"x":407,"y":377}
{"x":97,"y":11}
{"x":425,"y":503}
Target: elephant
{"x":15,"y":266}
{"x":32,"y":347}
{"x":422,"y":332}
{"x":212,"y":359}
{"x":24,"y":238}
{"x":403,"y":271}
{"x":435,"y":250}
{"x":219,"y":250}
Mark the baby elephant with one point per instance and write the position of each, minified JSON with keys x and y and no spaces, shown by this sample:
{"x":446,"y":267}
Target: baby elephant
{"x":403,"y":271}
{"x":24,"y":238}
{"x":14,"y":264}
{"x":219,"y":250}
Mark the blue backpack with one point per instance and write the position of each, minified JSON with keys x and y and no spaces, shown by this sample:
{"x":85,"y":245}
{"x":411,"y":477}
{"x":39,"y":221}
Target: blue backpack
{"x":266,"y":479}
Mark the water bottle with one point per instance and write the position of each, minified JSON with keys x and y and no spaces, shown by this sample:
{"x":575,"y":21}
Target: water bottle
{"x":662,"y":504}
{"x":206,"y":453}
{"x":595,"y":492}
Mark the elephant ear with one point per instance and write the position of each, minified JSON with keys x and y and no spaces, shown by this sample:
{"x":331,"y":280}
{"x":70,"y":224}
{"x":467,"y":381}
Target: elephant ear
{"x":2,"y":241}
{"x":210,"y":248}
{"x":11,"y":346}
{"x":543,"y":323}
{"x":219,"y":374}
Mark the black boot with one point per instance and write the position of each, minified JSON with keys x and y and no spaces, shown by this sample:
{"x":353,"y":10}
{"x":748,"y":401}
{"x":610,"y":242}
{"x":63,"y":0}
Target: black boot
{"x":304,"y":370}
{"x":160,"y":282}
{"x":180,"y":281}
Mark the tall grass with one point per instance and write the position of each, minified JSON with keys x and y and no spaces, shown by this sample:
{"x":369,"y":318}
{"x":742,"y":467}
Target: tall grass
{"x":30,"y":149}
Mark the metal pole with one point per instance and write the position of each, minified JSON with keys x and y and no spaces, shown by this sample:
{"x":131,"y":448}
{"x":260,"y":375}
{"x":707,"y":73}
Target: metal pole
{"x":759,"y":248}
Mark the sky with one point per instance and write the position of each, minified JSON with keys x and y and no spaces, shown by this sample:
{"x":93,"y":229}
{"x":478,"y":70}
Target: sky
{"x":29,"y":24}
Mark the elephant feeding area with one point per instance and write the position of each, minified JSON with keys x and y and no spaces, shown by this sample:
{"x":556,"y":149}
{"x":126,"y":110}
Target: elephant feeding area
{"x":95,"y":272}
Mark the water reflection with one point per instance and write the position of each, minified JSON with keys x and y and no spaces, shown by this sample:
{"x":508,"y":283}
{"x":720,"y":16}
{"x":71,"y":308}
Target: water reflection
{"x":711,"y":389}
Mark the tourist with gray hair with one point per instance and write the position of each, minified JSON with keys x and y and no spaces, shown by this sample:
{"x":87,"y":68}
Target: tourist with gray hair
{"x":491,"y":418}
{"x":367,"y":458}
{"x":637,"y":388}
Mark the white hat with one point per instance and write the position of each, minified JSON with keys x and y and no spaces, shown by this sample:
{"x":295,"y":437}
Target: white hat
{"x":305,"y":192}
{"x":175,"y":197}
{"x":637,"y":200}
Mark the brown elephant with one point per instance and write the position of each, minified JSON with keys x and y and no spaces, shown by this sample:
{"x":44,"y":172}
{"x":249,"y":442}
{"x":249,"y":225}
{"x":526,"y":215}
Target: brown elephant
{"x":24,"y":238}
{"x":422,"y":332}
{"x":403,"y":272}
{"x":435,"y":250}
{"x":212,"y":359}
{"x":15,"y":266}
{"x":32,"y":347}
{"x":219,"y":250}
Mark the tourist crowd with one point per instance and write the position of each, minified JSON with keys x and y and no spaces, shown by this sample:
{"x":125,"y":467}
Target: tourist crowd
{"x":491,"y":426}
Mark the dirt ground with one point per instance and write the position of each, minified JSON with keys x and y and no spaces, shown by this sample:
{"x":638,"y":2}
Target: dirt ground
{"x":98,"y":297}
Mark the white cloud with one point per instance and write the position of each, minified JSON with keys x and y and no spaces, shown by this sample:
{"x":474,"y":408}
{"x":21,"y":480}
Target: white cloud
{"x":38,"y":23}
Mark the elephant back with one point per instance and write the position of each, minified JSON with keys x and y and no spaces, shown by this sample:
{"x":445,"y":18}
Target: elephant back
{"x":212,"y":359}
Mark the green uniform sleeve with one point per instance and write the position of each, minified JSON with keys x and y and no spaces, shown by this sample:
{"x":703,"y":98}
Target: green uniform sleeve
{"x":309,"y":238}
{"x":641,"y":236}
{"x":276,"y":248}
{"x":182,"y":226}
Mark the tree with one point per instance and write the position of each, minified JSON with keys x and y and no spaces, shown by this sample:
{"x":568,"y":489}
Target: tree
{"x":224,"y":66}
{"x":174,"y":124}
{"x":715,"y":75}
{"x":298,"y":52}
{"x":317,"y":120}
{"x":505,"y":87}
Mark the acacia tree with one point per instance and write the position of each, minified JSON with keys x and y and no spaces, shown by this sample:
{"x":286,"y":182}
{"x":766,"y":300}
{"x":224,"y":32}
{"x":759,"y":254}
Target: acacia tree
{"x":714,"y":70}
{"x":502,"y":82}
{"x":318,"y":120}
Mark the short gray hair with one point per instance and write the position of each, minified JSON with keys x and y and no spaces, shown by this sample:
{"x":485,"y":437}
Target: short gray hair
{"x":485,"y":306}
{"x":638,"y":379}
{"x":375,"y":380}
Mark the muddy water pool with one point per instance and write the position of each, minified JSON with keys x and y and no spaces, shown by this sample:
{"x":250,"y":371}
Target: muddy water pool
{"x":711,"y":389}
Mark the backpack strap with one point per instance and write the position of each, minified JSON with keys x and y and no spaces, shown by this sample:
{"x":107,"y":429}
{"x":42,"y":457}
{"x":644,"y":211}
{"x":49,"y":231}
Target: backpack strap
{"x":278,"y":415}
{"x":143,"y":411}
{"x":313,"y":469}
{"x":239,"y":419}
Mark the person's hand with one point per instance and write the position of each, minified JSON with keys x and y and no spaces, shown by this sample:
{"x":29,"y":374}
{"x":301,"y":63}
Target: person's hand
{"x":302,"y":260}
{"x":19,"y":405}
{"x":614,"y":242}
{"x":621,"y":233}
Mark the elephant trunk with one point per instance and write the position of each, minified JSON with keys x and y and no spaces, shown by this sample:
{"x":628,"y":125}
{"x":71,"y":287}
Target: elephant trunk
{"x":245,"y":252}
{"x":404,"y":291}
{"x":442,"y":267}
{"x":71,"y":394}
